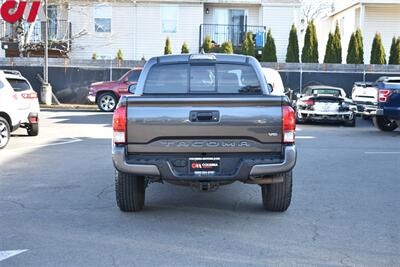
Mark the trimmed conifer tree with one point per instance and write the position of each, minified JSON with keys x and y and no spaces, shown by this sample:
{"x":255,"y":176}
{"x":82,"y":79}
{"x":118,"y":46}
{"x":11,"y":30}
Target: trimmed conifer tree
{"x":269,"y":50}
{"x":310,"y":49}
{"x":292,"y":55}
{"x":207,"y":44}
{"x":394,"y":58}
{"x":227,"y":48}
{"x":378,"y":55}
{"x":330,"y":51}
{"x":248,"y":47}
{"x":337,"y":45}
{"x":167,"y":48}
{"x":352,"y":50}
{"x":360,"y":47}
{"x":185,"y":48}
{"x":120,"y":55}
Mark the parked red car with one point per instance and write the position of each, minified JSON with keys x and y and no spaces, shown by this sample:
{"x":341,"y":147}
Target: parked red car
{"x":106,"y":94}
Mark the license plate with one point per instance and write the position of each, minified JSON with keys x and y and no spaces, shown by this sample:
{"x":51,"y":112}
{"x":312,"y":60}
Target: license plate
{"x":204,"y":166}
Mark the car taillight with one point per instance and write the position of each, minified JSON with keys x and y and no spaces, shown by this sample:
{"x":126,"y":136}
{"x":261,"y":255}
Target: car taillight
{"x":288,"y":125}
{"x":384,"y":95}
{"x":29,"y":95}
{"x":308,"y":102}
{"x":119,"y":125}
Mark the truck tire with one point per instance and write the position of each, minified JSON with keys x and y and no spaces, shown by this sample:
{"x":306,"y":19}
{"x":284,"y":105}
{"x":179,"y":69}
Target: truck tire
{"x":33,"y":129}
{"x":130,"y":192}
{"x":384,"y":124}
{"x":277,"y":197}
{"x":107,"y":102}
{"x":5,"y":133}
{"x":350,"y":123}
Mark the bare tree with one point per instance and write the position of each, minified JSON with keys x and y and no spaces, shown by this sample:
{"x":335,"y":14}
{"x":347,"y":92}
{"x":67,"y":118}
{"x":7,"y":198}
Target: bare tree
{"x":312,"y":9}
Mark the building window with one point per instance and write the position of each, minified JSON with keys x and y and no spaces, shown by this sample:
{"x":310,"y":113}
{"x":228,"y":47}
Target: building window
{"x":169,"y":19}
{"x":102,"y":18}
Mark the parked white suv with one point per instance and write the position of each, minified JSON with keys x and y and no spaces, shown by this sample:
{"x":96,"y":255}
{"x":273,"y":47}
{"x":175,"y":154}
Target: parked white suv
{"x":9,"y":114}
{"x":365,"y":96}
{"x":19,"y":105}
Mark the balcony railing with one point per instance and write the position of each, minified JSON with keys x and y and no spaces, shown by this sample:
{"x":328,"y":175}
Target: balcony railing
{"x":235,"y":34}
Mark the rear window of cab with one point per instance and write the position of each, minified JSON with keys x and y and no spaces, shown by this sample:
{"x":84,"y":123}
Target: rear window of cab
{"x":202,"y":79}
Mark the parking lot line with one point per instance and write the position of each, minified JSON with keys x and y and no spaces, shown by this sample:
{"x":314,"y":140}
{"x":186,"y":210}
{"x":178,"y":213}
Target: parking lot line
{"x":73,"y":140}
{"x":10,"y":253}
{"x":382,"y":152}
{"x":305,"y":137}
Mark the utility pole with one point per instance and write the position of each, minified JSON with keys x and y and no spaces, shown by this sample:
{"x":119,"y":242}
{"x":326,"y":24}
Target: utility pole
{"x":47,"y":92}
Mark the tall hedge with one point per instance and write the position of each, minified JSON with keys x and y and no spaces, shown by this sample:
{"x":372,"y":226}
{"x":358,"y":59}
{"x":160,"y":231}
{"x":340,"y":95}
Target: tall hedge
{"x":269,"y":50}
{"x":207,"y":44}
{"x":248,"y":46}
{"x":352,"y":50}
{"x":185,"y":48}
{"x":330,"y":51}
{"x":394,"y":58}
{"x":310,"y":49}
{"x":360,"y":47}
{"x":167,"y":48}
{"x":227,"y":48}
{"x":378,"y":55}
{"x":337,"y":45}
{"x":292,"y":55}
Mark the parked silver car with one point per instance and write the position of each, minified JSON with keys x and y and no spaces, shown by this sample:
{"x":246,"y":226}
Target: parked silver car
{"x":325,"y":103}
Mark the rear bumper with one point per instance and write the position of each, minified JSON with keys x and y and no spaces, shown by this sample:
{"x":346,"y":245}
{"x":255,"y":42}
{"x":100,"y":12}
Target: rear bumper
{"x":319,"y":115}
{"x":366,"y":109}
{"x":164,"y":169}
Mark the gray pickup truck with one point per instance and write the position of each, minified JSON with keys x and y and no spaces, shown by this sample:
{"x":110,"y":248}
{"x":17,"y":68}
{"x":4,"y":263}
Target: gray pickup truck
{"x":203,"y":121}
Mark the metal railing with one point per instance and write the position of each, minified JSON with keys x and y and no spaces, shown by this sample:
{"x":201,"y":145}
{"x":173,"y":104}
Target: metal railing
{"x":235,"y":34}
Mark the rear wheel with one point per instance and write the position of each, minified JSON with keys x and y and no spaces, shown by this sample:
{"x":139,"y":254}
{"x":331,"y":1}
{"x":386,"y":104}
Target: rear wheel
{"x":384,"y":124}
{"x":33,"y":129}
{"x":4,"y":133}
{"x":130,"y":192}
{"x":277,"y":197}
{"x":350,"y":123}
{"x":107,"y":102}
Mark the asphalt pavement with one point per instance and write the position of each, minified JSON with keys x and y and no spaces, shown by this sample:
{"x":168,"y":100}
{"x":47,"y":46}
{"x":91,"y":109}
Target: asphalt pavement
{"x":57,"y":205}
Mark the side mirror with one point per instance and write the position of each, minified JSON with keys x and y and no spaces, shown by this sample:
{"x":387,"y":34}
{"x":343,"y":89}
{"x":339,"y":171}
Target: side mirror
{"x":132,"y":88}
{"x":270,"y":88}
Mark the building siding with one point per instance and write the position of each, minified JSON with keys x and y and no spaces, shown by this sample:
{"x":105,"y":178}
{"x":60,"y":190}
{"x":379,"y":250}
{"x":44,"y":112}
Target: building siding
{"x":280,"y":20}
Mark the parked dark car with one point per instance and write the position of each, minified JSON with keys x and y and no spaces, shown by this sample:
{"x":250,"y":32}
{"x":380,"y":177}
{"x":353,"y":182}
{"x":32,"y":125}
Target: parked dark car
{"x":387,"y":116}
{"x":325,"y":103}
{"x":107,"y":94}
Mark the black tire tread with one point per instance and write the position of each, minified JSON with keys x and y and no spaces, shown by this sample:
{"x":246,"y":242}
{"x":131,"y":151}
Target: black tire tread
{"x":9,"y":130}
{"x":130,"y":192}
{"x":33,"y":129}
{"x":378,"y":122}
{"x":277,"y":197}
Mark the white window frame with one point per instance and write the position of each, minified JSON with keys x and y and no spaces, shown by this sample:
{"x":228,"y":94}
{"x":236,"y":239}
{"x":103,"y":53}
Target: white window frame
{"x":107,"y":15}
{"x":163,"y":8}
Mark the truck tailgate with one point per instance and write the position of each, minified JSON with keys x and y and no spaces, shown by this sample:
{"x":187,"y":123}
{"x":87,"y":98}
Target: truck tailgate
{"x":199,"y":125}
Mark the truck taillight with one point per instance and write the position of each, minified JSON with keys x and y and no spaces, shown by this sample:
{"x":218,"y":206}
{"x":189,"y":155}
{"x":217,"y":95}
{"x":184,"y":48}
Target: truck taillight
{"x":119,"y":125}
{"x":288,"y":125}
{"x":384,"y":95}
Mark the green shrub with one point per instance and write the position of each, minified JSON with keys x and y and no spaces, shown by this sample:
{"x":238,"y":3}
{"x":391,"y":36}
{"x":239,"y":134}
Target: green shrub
{"x":185,"y":48}
{"x":167,"y":48}
{"x":337,"y":45}
{"x":94,"y":56}
{"x":248,"y":46}
{"x":227,"y":48}
{"x":269,"y":50}
{"x":394,"y":58}
{"x":120,"y":56}
{"x":330,"y":51}
{"x":352,"y":50}
{"x":360,"y":47}
{"x":378,"y":55}
{"x":292,"y":54}
{"x":207,"y":44}
{"x":310,"y":49}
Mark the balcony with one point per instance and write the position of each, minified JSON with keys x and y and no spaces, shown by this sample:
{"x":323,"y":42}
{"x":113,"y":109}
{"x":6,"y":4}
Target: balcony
{"x":235,"y":34}
{"x":19,"y":41}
